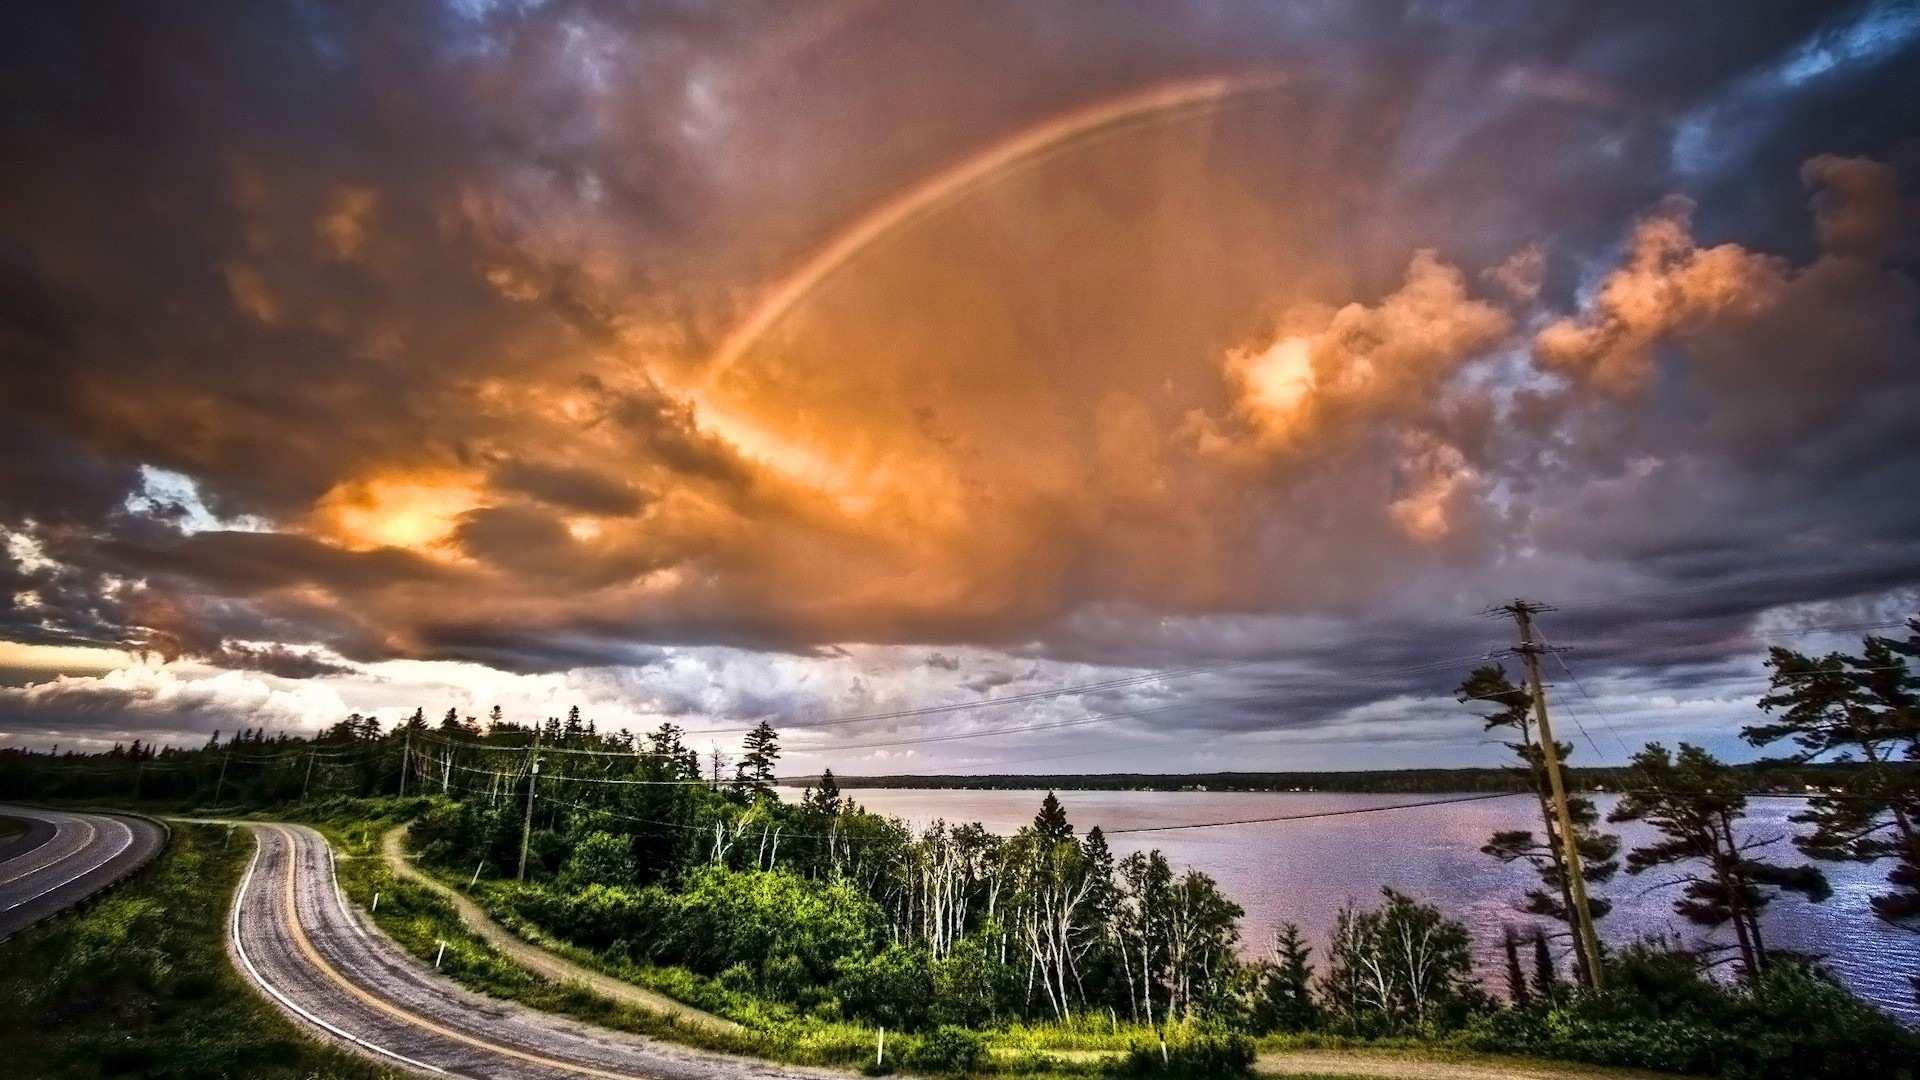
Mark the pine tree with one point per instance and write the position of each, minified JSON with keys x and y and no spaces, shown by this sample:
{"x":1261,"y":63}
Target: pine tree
{"x":1286,"y":989}
{"x":760,"y":750}
{"x":1695,"y":801}
{"x":1840,"y":706}
{"x":1051,"y":822}
{"x":1599,"y":851}
{"x":823,"y":799}
{"x":1517,"y":993}
{"x":669,"y":756}
{"x":416,"y":722}
{"x":1546,"y":977}
{"x":495,"y":718}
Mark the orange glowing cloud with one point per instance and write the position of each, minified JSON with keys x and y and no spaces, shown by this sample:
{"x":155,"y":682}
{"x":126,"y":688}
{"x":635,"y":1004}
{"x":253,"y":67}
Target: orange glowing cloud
{"x":1325,"y":372}
{"x":417,"y":511}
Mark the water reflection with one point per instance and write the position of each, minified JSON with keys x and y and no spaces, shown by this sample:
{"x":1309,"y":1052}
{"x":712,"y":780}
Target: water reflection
{"x":1303,"y":871}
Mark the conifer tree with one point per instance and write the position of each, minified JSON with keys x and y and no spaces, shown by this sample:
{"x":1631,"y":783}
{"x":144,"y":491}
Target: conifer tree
{"x":760,"y":751}
{"x":1860,"y":709}
{"x":1051,"y":822}
{"x":1599,"y":851}
{"x":1695,"y":802}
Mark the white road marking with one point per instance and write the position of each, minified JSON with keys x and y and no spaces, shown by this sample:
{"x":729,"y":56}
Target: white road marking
{"x":240,"y":950}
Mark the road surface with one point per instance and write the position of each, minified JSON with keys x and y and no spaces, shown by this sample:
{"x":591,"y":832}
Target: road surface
{"x":62,"y":858}
{"x":547,"y":965}
{"x":294,"y":936}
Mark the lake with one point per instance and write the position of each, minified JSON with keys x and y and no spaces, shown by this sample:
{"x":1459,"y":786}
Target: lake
{"x":1303,"y":871}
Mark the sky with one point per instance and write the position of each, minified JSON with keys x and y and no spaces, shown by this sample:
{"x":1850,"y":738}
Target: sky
{"x":852,"y":363}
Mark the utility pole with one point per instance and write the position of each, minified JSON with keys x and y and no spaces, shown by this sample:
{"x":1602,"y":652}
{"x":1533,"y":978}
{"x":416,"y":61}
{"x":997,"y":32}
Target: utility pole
{"x":526,"y":823}
{"x":308,"y":782}
{"x":222,"y":781}
{"x":1529,"y":650}
{"x":406,"y":757}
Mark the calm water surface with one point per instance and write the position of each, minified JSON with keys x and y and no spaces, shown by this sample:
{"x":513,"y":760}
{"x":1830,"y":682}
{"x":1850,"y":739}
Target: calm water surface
{"x":1303,"y":871}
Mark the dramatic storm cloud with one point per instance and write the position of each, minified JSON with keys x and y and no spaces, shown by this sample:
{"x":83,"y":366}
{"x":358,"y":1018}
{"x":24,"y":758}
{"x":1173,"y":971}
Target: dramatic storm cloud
{"x":719,"y":361}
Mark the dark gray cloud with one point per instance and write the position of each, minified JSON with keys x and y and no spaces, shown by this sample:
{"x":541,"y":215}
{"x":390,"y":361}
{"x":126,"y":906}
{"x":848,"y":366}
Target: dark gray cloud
{"x":420,"y":300}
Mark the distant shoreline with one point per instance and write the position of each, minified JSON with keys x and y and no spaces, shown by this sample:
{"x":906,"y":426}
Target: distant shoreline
{"x":1773,"y":775}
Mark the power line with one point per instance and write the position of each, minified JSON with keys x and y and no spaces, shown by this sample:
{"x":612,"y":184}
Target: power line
{"x":1309,"y":817}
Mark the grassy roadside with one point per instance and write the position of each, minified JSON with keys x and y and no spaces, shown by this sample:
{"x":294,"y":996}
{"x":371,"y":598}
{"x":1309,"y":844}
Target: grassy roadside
{"x":139,"y":984}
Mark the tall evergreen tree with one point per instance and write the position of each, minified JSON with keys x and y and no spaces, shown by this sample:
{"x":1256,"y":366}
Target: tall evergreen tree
{"x":1051,"y":822}
{"x":1860,"y":709}
{"x":760,"y":751}
{"x":1513,"y":712}
{"x":823,"y":798}
{"x":1285,"y":997}
{"x":1695,"y":802}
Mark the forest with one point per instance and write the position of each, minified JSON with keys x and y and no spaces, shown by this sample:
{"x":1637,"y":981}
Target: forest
{"x":785,"y":913}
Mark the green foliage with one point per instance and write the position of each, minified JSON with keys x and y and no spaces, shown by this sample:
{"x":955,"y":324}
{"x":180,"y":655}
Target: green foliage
{"x":724,"y":917}
{"x":948,"y":1049}
{"x":892,"y":988}
{"x":1693,"y":800}
{"x":138,"y":983}
{"x":599,"y":858}
{"x":1282,"y":990}
{"x":971,"y":987}
{"x":1400,"y":967}
{"x":1661,"y":1011}
{"x":1839,"y":706}
{"x":1198,"y":1053}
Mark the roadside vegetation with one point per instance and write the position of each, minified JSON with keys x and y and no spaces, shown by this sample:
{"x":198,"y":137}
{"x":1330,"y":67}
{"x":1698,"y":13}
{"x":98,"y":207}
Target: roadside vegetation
{"x":817,"y":925}
{"x":138,"y":984}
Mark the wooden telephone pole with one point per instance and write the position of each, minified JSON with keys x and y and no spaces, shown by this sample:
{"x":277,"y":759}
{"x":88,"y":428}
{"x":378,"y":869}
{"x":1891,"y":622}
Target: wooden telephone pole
{"x":526,"y":823}
{"x":1530,"y":650}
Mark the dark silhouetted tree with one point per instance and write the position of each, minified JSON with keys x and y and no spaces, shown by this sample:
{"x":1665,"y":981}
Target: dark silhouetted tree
{"x":1696,"y":802}
{"x":1859,"y":709}
{"x":1599,"y":851}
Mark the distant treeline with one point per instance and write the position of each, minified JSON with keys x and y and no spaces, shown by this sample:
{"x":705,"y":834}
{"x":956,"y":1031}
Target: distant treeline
{"x":1767,"y":775}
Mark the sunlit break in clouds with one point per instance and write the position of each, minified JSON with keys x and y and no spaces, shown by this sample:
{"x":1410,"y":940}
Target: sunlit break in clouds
{"x":846,"y":361}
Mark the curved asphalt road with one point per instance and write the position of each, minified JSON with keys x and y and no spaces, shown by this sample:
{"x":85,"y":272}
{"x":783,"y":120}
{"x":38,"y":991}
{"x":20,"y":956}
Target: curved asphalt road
{"x":294,"y":936}
{"x":63,"y":858}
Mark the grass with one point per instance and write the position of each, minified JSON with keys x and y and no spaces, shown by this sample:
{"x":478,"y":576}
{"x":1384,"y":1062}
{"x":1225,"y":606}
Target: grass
{"x":138,"y":984}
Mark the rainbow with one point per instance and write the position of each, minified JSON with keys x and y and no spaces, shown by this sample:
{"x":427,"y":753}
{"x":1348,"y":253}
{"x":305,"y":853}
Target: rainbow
{"x":1022,"y":150}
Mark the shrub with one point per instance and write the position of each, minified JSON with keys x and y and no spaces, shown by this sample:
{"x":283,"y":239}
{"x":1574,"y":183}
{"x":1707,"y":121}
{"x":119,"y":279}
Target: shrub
{"x":1197,"y":1054}
{"x":948,"y":1049}
{"x":969,"y":984}
{"x":600,"y":858}
{"x":724,"y":917}
{"x":893,"y":988}
{"x":1662,"y":1011}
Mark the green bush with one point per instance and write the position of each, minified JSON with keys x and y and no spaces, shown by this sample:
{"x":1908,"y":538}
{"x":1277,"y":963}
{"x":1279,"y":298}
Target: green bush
{"x":724,"y":917}
{"x":1196,"y":1054}
{"x":1661,"y":1011}
{"x":948,"y":1049}
{"x":893,"y":988}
